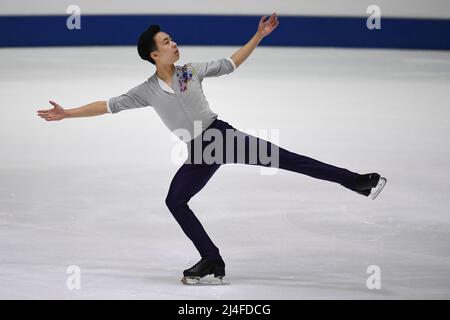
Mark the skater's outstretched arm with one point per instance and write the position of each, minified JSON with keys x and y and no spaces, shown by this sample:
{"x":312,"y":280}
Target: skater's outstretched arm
{"x":265,"y":27}
{"x":58,"y":113}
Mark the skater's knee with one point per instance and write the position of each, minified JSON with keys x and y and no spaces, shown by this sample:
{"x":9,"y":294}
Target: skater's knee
{"x":170,"y":201}
{"x":174,"y":201}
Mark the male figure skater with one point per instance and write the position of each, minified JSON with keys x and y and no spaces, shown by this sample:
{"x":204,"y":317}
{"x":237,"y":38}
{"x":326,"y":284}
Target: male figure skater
{"x":175,"y":92}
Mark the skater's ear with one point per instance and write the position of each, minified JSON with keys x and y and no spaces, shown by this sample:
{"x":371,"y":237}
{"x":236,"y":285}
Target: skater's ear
{"x":154,"y":54}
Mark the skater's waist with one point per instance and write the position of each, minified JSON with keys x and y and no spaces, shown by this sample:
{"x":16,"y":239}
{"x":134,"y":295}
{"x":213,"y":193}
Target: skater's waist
{"x":217,"y":124}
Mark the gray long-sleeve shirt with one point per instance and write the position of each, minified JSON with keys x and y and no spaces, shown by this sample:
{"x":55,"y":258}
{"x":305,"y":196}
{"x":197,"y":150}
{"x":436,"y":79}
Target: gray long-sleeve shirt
{"x":180,"y":107}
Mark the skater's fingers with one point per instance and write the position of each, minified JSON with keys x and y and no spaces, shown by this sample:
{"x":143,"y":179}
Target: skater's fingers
{"x":272,"y":18}
{"x":53,"y":103}
{"x":44,"y":115}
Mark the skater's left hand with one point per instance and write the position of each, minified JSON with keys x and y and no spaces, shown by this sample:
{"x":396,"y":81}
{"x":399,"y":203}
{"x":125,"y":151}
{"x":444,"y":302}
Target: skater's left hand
{"x":265,"y":26}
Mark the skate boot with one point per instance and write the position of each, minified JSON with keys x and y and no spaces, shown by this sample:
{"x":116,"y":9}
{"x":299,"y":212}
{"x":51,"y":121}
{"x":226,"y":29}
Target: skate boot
{"x":203,"y":268}
{"x":370,"y":184}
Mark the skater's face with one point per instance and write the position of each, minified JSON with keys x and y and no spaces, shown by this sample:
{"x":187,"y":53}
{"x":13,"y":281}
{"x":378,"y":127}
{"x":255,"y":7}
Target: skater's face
{"x":167,"y":52}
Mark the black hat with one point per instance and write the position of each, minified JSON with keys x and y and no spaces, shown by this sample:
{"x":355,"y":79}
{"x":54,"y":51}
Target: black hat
{"x":146,"y":43}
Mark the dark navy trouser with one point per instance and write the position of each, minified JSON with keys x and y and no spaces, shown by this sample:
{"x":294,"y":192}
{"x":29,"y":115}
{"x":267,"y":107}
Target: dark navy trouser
{"x":191,"y":177}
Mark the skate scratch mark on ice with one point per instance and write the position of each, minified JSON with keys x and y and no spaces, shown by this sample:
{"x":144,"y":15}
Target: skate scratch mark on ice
{"x":36,"y":227}
{"x":98,"y":234}
{"x":353,"y":217}
{"x":290,"y":222}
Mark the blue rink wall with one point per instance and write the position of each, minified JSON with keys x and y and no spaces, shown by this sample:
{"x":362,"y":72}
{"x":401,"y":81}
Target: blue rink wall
{"x":320,"y":31}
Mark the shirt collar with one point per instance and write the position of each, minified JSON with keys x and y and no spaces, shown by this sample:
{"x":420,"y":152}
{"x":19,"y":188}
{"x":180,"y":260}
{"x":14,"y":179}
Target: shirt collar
{"x":163,"y":85}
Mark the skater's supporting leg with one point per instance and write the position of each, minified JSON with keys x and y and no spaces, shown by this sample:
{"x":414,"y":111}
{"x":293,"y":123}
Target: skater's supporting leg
{"x":189,"y":180}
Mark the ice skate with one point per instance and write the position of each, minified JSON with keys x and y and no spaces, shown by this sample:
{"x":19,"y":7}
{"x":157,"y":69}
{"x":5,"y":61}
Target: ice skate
{"x":380,"y":185}
{"x":370,"y":184}
{"x":197,"y":274}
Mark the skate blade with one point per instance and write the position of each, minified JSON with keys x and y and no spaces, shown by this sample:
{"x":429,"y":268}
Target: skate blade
{"x":378,"y":188}
{"x":207,"y":281}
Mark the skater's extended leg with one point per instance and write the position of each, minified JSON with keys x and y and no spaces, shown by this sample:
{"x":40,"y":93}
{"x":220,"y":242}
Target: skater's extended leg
{"x":189,"y":180}
{"x":302,"y":164}
{"x":284,"y":159}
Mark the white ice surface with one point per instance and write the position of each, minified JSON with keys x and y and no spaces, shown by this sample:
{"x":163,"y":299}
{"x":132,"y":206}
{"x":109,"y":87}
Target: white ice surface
{"x":90,"y":191}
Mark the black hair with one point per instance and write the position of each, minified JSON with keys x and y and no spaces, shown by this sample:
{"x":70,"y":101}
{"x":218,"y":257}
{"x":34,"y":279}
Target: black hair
{"x":147,"y":43}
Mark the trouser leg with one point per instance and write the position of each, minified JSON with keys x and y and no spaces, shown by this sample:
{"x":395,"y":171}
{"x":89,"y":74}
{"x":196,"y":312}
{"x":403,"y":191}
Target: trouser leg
{"x":258,"y":151}
{"x":188,"y":181}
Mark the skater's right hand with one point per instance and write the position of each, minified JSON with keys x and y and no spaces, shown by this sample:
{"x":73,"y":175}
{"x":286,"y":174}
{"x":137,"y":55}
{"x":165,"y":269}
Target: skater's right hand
{"x":57,"y":113}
